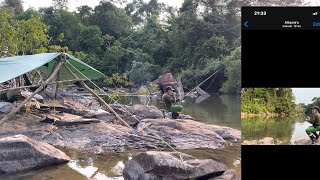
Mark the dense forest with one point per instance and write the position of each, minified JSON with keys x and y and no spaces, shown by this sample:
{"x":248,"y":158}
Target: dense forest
{"x":268,"y":100}
{"x":142,"y":39}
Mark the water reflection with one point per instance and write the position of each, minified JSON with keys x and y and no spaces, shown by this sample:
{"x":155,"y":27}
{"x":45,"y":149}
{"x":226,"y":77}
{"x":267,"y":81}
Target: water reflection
{"x":220,"y":110}
{"x":287,"y":130}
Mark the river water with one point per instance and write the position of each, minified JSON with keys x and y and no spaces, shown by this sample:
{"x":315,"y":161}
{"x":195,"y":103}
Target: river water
{"x":284,"y":129}
{"x":220,"y":110}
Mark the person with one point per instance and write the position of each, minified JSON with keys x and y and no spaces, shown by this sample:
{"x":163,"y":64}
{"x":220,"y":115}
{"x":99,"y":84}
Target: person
{"x":171,"y":102}
{"x":315,"y":121}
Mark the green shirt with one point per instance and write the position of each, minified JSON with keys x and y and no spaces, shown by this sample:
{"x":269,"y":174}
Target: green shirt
{"x":168,"y":100}
{"x":315,"y":119}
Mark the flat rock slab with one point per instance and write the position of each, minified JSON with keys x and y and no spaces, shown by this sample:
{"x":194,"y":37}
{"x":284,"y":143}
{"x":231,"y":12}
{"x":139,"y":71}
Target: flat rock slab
{"x":5,"y":107}
{"x":168,"y":165}
{"x":104,"y":137}
{"x":19,"y":153}
{"x":190,"y":134}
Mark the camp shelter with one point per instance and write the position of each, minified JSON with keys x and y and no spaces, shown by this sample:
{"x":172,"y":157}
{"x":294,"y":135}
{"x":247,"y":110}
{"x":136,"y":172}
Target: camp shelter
{"x":15,"y":66}
{"x":57,"y":66}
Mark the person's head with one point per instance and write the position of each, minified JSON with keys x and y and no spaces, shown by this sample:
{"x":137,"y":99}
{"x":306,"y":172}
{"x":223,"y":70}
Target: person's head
{"x":169,"y":90}
{"x":315,"y":109}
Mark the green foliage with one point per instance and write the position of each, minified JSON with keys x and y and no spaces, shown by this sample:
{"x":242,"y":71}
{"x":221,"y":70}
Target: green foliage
{"x":119,"y":80}
{"x":21,"y":36}
{"x":315,"y":102}
{"x":268,"y":100}
{"x":143,"y":39}
{"x":15,"y":5}
{"x":90,"y":39}
{"x":143,"y":72}
{"x":110,"y":19}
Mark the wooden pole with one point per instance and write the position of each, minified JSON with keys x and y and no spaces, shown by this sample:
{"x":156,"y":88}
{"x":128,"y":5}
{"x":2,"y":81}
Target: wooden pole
{"x":5,"y":118}
{"x":201,"y":83}
{"x":98,"y":97}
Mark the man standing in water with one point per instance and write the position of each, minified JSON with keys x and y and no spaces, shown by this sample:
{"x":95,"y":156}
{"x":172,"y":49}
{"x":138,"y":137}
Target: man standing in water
{"x":315,"y":121}
{"x":170,"y":101}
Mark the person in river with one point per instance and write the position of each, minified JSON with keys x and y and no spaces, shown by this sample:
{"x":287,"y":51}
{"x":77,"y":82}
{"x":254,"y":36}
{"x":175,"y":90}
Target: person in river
{"x":315,"y":121}
{"x":171,"y":103}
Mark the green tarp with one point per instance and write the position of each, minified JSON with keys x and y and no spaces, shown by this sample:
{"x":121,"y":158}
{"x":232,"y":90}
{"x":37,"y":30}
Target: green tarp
{"x":12,"y":67}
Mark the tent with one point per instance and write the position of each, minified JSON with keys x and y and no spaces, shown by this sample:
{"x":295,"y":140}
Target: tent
{"x":15,"y":66}
{"x":61,"y":65}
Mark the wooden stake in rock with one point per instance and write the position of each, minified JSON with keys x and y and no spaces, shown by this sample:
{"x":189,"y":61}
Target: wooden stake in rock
{"x":5,"y":118}
{"x":98,"y":97}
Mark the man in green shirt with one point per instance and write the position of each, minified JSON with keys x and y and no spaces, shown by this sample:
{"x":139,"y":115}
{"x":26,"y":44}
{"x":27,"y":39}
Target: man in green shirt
{"x":170,"y":101}
{"x":315,"y":121}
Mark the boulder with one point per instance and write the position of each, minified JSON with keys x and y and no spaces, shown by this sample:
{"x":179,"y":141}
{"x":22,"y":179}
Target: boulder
{"x":168,"y":165}
{"x":5,"y":107}
{"x":19,"y":153}
{"x":37,"y":97}
{"x":227,"y":175}
{"x":266,"y":141}
{"x":140,"y":111}
{"x":99,"y":114}
{"x":189,"y":134}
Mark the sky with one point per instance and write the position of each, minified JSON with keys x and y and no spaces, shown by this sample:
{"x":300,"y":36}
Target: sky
{"x":305,"y":95}
{"x":73,"y":4}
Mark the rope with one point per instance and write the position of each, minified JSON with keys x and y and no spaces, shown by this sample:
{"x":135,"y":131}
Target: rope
{"x":211,"y":82}
{"x":134,"y":117}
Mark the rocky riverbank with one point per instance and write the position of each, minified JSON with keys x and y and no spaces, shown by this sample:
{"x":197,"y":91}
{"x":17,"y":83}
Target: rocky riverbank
{"x":80,"y":124}
{"x":104,"y":137}
{"x":272,"y":141}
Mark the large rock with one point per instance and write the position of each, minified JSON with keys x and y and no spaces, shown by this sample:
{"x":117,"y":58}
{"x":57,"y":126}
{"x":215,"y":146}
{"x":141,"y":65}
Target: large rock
{"x":264,"y":141}
{"x":106,"y":137}
{"x":5,"y":107}
{"x":19,"y":152}
{"x":99,"y":114}
{"x":140,"y":111}
{"x":187,"y":134}
{"x":227,"y":175}
{"x":167,"y":165}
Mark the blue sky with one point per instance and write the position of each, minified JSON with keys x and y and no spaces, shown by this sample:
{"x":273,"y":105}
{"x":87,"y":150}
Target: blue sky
{"x":305,"y":95}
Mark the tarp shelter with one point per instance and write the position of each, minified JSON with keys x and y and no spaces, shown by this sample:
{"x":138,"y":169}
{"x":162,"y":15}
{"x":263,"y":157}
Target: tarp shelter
{"x":15,"y":66}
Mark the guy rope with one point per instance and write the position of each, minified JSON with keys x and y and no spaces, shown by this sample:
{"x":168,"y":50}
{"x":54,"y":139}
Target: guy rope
{"x":184,"y":165}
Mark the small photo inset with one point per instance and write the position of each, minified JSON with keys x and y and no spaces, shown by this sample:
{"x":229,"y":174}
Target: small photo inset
{"x":280,"y":116}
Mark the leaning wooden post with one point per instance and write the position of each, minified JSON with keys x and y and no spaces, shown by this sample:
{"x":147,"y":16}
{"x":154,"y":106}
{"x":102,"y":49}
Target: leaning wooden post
{"x":5,"y":118}
{"x":98,"y":97}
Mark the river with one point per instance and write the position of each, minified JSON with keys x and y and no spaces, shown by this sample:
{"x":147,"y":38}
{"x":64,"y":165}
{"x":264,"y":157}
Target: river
{"x":221,"y":110}
{"x":287,"y":130}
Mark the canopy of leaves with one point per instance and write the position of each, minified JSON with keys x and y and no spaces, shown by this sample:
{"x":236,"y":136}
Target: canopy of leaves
{"x":268,"y":100}
{"x":143,"y":39}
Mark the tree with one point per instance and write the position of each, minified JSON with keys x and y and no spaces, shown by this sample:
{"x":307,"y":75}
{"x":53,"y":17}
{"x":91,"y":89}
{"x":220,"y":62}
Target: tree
{"x":21,"y":36}
{"x":64,"y":26}
{"x":111,"y":20}
{"x":141,"y":11}
{"x":16,"y":5}
{"x":272,"y":100}
{"x":141,"y":72}
{"x":232,"y":68}
{"x":90,"y":39}
{"x":85,"y":13}
{"x":60,"y":4}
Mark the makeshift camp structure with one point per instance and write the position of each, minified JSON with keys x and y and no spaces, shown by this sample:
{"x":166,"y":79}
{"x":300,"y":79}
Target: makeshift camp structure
{"x":59,"y":67}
